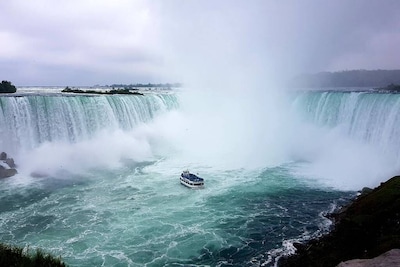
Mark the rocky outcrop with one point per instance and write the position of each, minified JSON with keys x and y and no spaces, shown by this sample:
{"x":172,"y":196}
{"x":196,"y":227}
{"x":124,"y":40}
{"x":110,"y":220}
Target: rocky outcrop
{"x":5,"y":173}
{"x":8,"y":168}
{"x":10,"y":162}
{"x":110,"y":92}
{"x":367,"y":228}
{"x":390,"y":258}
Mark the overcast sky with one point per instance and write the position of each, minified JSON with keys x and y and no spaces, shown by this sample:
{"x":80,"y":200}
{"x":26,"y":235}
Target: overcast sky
{"x":88,"y":42}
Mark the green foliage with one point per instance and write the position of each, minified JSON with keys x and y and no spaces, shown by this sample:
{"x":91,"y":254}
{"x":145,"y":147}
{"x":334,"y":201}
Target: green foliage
{"x":7,"y":87}
{"x":15,"y":256}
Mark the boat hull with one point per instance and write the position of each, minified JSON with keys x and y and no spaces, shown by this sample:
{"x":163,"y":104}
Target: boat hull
{"x":191,"y":184}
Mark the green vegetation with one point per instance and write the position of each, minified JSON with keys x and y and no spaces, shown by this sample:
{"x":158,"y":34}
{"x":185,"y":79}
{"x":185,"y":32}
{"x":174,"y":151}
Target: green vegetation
{"x":15,"y":256}
{"x":7,"y":87}
{"x":111,"y":92}
{"x":366,"y":228}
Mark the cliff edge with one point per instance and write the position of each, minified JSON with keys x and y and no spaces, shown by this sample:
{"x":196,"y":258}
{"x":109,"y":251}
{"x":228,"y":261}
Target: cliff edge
{"x":367,"y":228}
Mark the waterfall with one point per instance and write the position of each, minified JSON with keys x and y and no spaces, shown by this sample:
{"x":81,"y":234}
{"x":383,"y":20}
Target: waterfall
{"x":349,"y":138}
{"x":30,"y":120}
{"x":373,"y":118}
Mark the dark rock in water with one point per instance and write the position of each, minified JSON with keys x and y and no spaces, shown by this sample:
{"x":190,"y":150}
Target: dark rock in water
{"x":10,"y":171}
{"x":38,"y":174}
{"x":10,"y":162}
{"x":366,"y":228}
{"x":5,"y":173}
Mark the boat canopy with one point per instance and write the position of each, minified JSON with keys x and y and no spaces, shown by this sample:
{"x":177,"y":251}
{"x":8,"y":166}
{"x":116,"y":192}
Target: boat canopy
{"x":191,"y":176}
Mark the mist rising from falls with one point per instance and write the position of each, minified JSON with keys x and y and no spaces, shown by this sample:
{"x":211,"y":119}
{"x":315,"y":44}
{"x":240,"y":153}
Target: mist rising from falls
{"x":50,"y":132}
{"x":232,"y":129}
{"x":234,"y":118}
{"x":346,"y":140}
{"x":342,"y":139}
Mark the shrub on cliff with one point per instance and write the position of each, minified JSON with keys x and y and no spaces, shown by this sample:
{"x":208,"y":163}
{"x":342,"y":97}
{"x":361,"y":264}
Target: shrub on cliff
{"x":15,"y":256}
{"x":7,"y":87}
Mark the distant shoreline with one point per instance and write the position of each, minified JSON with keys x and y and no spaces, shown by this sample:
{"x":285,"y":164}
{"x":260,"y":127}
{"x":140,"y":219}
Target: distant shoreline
{"x":348,"y":78}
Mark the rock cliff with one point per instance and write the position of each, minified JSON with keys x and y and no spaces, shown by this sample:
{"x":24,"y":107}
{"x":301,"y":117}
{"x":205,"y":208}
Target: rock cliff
{"x":367,"y":228}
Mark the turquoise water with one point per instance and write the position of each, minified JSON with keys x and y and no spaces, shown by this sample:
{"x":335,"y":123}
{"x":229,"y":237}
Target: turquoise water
{"x":106,"y":188}
{"x":142,"y":216}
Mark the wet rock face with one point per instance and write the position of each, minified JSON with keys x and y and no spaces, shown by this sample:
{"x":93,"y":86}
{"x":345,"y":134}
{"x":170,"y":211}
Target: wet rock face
{"x":7,"y":166}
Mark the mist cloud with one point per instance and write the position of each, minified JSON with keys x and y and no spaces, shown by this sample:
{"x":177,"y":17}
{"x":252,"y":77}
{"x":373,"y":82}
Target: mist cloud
{"x":273,"y":40}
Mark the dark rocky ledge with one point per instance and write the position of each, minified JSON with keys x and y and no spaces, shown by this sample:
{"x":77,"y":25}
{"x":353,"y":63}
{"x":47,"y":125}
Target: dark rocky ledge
{"x":365,"y":229}
{"x":110,"y":92}
{"x":10,"y":169}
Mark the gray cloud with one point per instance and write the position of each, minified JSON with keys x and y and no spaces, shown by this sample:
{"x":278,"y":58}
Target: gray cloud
{"x":46,"y":42}
{"x":88,"y":42}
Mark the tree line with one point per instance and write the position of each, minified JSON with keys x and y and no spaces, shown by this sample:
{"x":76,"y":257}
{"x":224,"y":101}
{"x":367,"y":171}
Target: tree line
{"x":349,"y":78}
{"x":141,"y":85}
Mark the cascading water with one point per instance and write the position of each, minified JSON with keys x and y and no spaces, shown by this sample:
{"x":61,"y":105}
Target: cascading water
{"x":356,"y":130}
{"x":118,"y":201}
{"x":370,"y":117}
{"x":29,"y":121}
{"x":48,"y":132}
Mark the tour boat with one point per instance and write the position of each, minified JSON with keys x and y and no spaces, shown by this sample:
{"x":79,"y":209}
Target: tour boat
{"x":191,"y":180}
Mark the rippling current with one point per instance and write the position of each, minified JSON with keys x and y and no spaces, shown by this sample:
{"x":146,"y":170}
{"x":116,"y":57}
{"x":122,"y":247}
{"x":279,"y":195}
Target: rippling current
{"x":142,"y":216}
